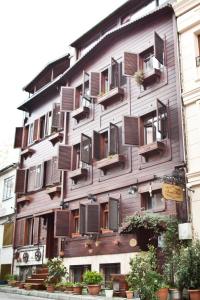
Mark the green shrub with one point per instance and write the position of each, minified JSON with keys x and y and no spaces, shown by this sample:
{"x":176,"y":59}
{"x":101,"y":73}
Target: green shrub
{"x":92,"y":277}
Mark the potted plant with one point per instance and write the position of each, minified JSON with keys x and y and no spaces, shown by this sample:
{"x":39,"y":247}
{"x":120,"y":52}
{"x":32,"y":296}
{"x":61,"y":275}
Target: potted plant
{"x":77,"y":288}
{"x":129,"y":294}
{"x":109,"y":290}
{"x":93,"y":281}
{"x":68,"y":286}
{"x":139,"y":77}
{"x":11,"y":279}
{"x":144,"y":279}
{"x":163,"y":291}
{"x":56,"y":270}
{"x":188,"y":269}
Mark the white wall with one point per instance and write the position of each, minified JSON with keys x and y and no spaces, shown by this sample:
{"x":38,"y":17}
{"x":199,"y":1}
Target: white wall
{"x":96,"y":260}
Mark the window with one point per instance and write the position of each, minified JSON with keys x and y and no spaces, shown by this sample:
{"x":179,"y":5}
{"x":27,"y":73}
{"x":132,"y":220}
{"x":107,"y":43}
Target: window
{"x":8,"y":189}
{"x":153,"y":201}
{"x":48,"y":123}
{"x":29,"y":231}
{"x":30,"y":134}
{"x":148,"y":61}
{"x":8,"y":234}
{"x":5,"y":270}
{"x":107,"y":270}
{"x":104,"y":144}
{"x":75,"y":220}
{"x":104,"y":82}
{"x":38,"y":176}
{"x":104,"y":216}
{"x":76,"y":157}
{"x":42,"y":127}
{"x":76,"y":272}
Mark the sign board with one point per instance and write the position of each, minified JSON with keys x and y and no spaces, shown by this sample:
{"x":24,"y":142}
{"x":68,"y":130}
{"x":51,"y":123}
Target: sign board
{"x":172,"y":192}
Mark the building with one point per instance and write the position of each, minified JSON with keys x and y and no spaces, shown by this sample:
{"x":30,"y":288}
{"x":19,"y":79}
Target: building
{"x":7,"y":218}
{"x":188,"y":24}
{"x":117,"y":141}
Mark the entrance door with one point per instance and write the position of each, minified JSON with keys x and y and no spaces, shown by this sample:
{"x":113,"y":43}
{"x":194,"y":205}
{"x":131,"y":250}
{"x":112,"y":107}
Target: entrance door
{"x":52,"y":243}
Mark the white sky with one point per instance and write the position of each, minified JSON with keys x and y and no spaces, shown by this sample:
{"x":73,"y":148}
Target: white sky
{"x":33,"y":33}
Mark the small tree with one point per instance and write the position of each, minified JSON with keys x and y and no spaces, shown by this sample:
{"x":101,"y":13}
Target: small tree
{"x":56,"y":270}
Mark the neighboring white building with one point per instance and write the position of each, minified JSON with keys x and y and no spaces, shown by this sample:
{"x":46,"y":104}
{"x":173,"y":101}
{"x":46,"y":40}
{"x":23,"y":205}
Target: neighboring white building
{"x":7,"y":215}
{"x":188,"y":23}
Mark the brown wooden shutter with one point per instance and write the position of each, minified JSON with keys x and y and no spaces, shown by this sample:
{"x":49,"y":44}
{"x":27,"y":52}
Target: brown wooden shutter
{"x":96,"y":145}
{"x":21,"y":180}
{"x":92,"y":218}
{"x":114,"y":75}
{"x":55,"y":117}
{"x":94,"y":84}
{"x":161,"y":117}
{"x":18,"y":137}
{"x":113,"y":214}
{"x":56,"y":174}
{"x":20,"y":227}
{"x":85,"y":149}
{"x":61,"y":223}
{"x":62,"y":120}
{"x":82,"y":211}
{"x":48,"y":172}
{"x":158,"y":48}
{"x":130,"y":131}
{"x":8,"y":234}
{"x":67,"y":99}
{"x":130,"y":63}
{"x":35,"y":130}
{"x":113,"y":139}
{"x":31,"y":179}
{"x":64,"y":157}
{"x":36,"y":231}
{"x":25,"y":137}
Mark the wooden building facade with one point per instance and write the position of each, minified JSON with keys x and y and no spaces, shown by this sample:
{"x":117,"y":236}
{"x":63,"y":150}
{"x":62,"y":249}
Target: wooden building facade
{"x":96,"y":144}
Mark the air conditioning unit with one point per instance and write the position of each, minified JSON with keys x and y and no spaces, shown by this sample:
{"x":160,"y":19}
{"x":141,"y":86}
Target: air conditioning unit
{"x":185,"y":231}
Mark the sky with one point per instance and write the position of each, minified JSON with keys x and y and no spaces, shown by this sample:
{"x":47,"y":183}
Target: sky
{"x":33,"y":33}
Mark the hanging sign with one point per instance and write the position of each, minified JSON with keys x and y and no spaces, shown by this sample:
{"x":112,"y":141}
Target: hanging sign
{"x":172,"y":192}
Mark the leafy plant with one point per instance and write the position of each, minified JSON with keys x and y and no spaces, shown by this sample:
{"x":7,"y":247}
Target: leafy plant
{"x":144,"y":278}
{"x":139,"y":77}
{"x":10,"y":277}
{"x":78,"y":284}
{"x":56,"y":270}
{"x":92,"y":277}
{"x":68,"y":284}
{"x":188,"y":266}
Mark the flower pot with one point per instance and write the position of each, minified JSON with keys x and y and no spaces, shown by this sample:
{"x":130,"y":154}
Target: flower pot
{"x":174,"y":294}
{"x":162,"y":294}
{"x":50,"y":288}
{"x":129,"y":294}
{"x":69,"y":288}
{"x":77,"y":290}
{"x":21,"y":285}
{"x":109,"y":293}
{"x":94,"y":289}
{"x":194,"y":294}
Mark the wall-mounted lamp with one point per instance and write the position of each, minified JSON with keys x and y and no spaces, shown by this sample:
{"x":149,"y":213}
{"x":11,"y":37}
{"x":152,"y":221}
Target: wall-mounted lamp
{"x":132,"y":190}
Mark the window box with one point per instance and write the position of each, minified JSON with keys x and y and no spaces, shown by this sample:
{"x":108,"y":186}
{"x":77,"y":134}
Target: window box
{"x":80,"y":112}
{"x":110,"y":161}
{"x":145,"y":150}
{"x":114,"y":94}
{"x":151,"y":76}
{"x":53,"y":191}
{"x":24,"y":199}
{"x":27,"y":152}
{"x":55,"y":138}
{"x":78,"y":173}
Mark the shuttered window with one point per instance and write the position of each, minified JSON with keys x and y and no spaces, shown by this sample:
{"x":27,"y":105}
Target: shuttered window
{"x":48,"y":172}
{"x":113,"y":214}
{"x":94,"y":84}
{"x":96,"y":145}
{"x":35,"y":177}
{"x":21,"y":179}
{"x":85,"y":149}
{"x":48,"y":123}
{"x":159,"y":48}
{"x":67,"y":99}
{"x":51,"y":173}
{"x":113,"y":139}
{"x":130,"y":130}
{"x":64,"y":157}
{"x":130,"y":63}
{"x":56,"y":174}
{"x":55,"y":117}
{"x":162,"y":118}
{"x":36,"y":130}
{"x":20,"y":227}
{"x":92,"y":218}
{"x":82,"y":218}
{"x":39,"y":176}
{"x":61,"y":223}
{"x":8,"y":234}
{"x":31,"y":179}
{"x":30,"y":134}
{"x":18,"y":137}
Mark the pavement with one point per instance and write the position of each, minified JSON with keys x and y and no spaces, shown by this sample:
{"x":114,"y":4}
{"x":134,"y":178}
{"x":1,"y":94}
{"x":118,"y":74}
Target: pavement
{"x":7,"y":292}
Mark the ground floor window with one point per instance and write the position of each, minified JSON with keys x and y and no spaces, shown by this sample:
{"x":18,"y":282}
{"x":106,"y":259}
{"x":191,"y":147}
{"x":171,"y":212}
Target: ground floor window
{"x":107,"y":270}
{"x":76,"y":272}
